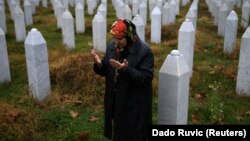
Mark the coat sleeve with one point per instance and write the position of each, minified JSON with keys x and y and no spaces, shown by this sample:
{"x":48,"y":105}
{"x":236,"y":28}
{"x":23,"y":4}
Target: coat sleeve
{"x":143,"y":74}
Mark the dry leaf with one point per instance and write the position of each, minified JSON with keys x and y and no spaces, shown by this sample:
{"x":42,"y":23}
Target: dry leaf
{"x":248,"y":113}
{"x":12,"y":116}
{"x":82,"y":136}
{"x":74,"y":114}
{"x":239,"y":118}
{"x":93,"y":118}
{"x":195,"y":118}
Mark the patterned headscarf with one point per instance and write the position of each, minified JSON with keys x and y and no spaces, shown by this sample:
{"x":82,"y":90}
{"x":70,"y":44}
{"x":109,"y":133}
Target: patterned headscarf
{"x":118,"y":28}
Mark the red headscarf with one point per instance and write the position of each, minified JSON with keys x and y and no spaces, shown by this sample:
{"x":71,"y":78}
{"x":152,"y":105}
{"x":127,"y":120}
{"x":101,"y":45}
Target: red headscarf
{"x":118,"y":28}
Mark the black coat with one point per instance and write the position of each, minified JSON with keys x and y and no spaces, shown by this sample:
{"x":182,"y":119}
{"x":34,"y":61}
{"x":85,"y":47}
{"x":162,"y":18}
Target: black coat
{"x":128,"y":100}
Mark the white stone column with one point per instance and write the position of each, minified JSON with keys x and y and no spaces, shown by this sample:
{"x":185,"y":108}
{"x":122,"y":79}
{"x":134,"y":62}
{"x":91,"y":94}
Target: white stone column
{"x":230,"y":32}
{"x":28,"y":13}
{"x":37,"y":65}
{"x":99,"y":28}
{"x":243,"y":77}
{"x":68,"y":30}
{"x":4,"y":61}
{"x":19,"y":24}
{"x":186,"y":40}
{"x":173,"y":90}
{"x":156,"y":26}
{"x":80,"y":20}
{"x":3,"y":19}
{"x":140,"y":27}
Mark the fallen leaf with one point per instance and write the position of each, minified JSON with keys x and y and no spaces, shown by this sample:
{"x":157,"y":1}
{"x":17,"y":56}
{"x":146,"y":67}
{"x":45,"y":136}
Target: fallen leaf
{"x":248,"y":113}
{"x":13,"y":116}
{"x":82,"y":136}
{"x":93,"y":118}
{"x":74,"y":114}
{"x":195,"y":118}
{"x":239,"y":118}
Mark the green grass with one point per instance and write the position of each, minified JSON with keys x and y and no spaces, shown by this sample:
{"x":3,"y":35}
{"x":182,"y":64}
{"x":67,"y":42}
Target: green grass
{"x":75,"y":87}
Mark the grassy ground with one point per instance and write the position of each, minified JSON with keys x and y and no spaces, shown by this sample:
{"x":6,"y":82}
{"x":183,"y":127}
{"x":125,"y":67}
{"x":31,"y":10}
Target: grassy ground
{"x":74,"y":110}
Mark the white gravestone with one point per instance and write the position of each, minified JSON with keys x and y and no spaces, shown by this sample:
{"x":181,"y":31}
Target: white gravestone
{"x":140,"y":27}
{"x":99,"y":29}
{"x":28,"y":13}
{"x":173,"y":91}
{"x":230,"y":32}
{"x":37,"y":65}
{"x":4,"y":61}
{"x":68,"y":30}
{"x":80,"y":20}
{"x":143,"y":11}
{"x":223,"y":13}
{"x":3,"y":19}
{"x":156,"y":26}
{"x":19,"y":24}
{"x":245,"y":14}
{"x":243,"y":76}
{"x":186,"y":40}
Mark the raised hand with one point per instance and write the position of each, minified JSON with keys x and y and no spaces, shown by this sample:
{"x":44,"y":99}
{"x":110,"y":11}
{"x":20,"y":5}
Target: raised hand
{"x":96,"y":58}
{"x":118,"y":65}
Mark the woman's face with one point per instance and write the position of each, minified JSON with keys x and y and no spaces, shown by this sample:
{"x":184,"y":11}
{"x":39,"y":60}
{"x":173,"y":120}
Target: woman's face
{"x":120,"y":42}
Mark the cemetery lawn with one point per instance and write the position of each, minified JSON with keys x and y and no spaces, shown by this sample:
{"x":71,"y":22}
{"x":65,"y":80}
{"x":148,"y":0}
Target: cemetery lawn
{"x":74,"y":110}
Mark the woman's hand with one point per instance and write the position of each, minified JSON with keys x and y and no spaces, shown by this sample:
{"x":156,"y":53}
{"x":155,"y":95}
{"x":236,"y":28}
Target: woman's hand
{"x":96,"y":58}
{"x":118,"y":65}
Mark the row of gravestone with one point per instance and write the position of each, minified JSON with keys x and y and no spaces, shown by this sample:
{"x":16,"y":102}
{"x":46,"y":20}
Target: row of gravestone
{"x":181,"y":59}
{"x":39,"y":79}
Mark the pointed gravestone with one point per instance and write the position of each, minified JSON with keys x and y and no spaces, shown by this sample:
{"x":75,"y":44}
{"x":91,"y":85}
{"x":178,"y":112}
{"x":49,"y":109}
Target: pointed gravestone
{"x":156,"y":26}
{"x":243,"y":79}
{"x":80,"y":20}
{"x":37,"y":65}
{"x":140,"y":27}
{"x":191,"y":14}
{"x":245,"y":14}
{"x":59,"y":11}
{"x":173,"y":91}
{"x":28,"y":13}
{"x":4,"y":61}
{"x":127,"y":14}
{"x":143,"y":11}
{"x":19,"y":24}
{"x":230,"y":32}
{"x":186,"y":39}
{"x":3,"y":19}
{"x":68,"y":30}
{"x":99,"y":32}
{"x":223,"y":13}
{"x":166,"y":14}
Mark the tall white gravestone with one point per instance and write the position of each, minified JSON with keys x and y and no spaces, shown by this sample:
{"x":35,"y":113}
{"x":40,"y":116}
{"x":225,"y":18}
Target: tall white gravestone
{"x":37,"y":65}
{"x":140,"y":27}
{"x":243,"y":76}
{"x":19,"y":24}
{"x":230,"y":32}
{"x":80,"y":21}
{"x":156,"y":26}
{"x":68,"y":30}
{"x":186,"y":39}
{"x":3,"y":19}
{"x":99,"y":29}
{"x":173,"y":90}
{"x":4,"y":61}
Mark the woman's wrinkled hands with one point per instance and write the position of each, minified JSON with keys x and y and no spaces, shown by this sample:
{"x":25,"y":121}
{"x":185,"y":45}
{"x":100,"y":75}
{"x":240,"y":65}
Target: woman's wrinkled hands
{"x":117,"y":65}
{"x":96,"y":58}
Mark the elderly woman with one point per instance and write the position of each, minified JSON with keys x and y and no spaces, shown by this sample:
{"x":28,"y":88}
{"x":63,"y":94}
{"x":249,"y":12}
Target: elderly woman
{"x":128,"y":68}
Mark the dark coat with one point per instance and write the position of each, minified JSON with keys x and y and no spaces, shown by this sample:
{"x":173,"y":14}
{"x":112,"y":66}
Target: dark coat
{"x":128,"y":101}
